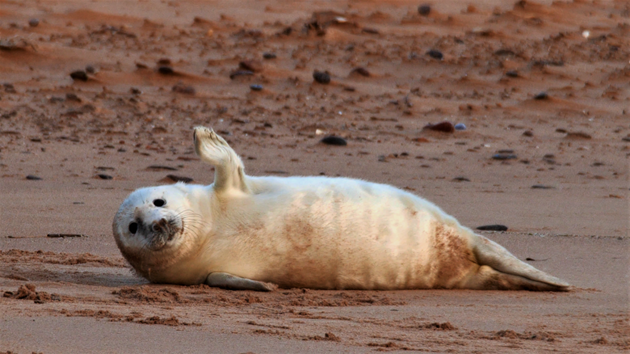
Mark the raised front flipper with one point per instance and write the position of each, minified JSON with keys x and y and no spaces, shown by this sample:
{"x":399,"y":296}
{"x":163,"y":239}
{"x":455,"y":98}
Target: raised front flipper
{"x":229,"y":172}
{"x":232,"y":282}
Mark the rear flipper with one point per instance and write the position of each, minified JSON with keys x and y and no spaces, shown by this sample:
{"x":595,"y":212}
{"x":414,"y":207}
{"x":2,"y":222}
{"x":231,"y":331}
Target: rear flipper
{"x":499,"y":269}
{"x":487,"y":278}
{"x":232,"y":282}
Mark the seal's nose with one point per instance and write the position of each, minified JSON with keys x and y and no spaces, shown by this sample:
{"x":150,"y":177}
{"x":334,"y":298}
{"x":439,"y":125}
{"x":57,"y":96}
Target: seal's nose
{"x":160,"y":225}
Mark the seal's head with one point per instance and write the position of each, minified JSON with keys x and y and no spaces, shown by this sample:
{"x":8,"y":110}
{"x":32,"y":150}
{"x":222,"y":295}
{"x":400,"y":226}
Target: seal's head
{"x":152,"y":227}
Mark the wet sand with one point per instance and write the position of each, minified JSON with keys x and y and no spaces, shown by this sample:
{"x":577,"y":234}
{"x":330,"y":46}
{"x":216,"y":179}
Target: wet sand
{"x":543,"y":84}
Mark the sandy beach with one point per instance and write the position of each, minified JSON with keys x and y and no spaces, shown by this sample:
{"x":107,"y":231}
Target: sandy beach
{"x":99,"y":98}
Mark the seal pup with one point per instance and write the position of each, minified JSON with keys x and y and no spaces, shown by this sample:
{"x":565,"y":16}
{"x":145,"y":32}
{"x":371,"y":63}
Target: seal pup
{"x":257,"y":233}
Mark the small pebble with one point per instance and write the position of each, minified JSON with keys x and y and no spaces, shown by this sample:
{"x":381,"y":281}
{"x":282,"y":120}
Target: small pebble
{"x":541,"y":186}
{"x":135,"y":91}
{"x":541,"y":96}
{"x":90,"y":69}
{"x":578,"y":135}
{"x":424,"y":9}
{"x":511,"y":73}
{"x":445,"y":127}
{"x":321,"y":77}
{"x":166,"y":70}
{"x":256,"y":87}
{"x":528,"y":133}
{"x":185,"y":89}
{"x":251,"y":65}
{"x":70,"y":96}
{"x":104,"y":176}
{"x":238,"y":73}
{"x":361,"y":71}
{"x":504,"y":156}
{"x":435,"y":54}
{"x":33,"y":22}
{"x":370,"y":30}
{"x":269,"y":55}
{"x":460,"y":126}
{"x":495,"y":227}
{"x":461,"y":179}
{"x":505,"y":151}
{"x":334,"y":140}
{"x":33,"y":178}
{"x":79,"y":75}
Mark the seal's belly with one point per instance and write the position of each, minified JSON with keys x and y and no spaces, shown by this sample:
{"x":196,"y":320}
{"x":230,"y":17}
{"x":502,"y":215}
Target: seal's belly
{"x":338,"y":233}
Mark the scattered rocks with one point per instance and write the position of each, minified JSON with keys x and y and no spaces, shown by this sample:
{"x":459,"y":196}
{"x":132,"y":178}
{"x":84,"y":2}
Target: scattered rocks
{"x":461,"y":179}
{"x":33,"y":178}
{"x":460,"y":126}
{"x":334,"y":140}
{"x":33,"y":22}
{"x":161,"y":168}
{"x":238,"y":73}
{"x":435,"y":54}
{"x":504,"y":156}
{"x":323,"y":77}
{"x":541,"y":96}
{"x":166,"y":70}
{"x":184,"y":89}
{"x":494,"y":227}
{"x":424,"y":9}
{"x":256,"y":87}
{"x":361,"y":71}
{"x":9,"y":88}
{"x":79,"y":75}
{"x":541,"y":186}
{"x":578,"y":136}
{"x":251,"y":65}
{"x":445,"y":127}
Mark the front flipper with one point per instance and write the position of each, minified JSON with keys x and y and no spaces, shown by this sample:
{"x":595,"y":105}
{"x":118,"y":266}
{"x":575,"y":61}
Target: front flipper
{"x":229,"y":281}
{"x":229,"y":170}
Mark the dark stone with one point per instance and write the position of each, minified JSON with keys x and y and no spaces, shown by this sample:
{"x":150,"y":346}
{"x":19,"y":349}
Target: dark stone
{"x":504,"y":156}
{"x":334,"y":140}
{"x":512,"y":73}
{"x":251,"y":65}
{"x":269,"y":55}
{"x":238,"y":73}
{"x":461,"y":179}
{"x":495,"y":227}
{"x":323,"y":77}
{"x":541,"y":96}
{"x":435,"y":54}
{"x":33,"y":178}
{"x":361,"y":71}
{"x":256,"y":87}
{"x":424,"y":9}
{"x":79,"y":75}
{"x":185,"y":89}
{"x":33,"y":22}
{"x":104,"y":176}
{"x":540,"y":186}
{"x":445,"y":127}
{"x":90,"y":69}
{"x":166,"y":70}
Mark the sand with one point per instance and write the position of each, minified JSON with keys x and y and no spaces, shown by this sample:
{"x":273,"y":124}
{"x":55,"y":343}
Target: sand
{"x":544,"y":84}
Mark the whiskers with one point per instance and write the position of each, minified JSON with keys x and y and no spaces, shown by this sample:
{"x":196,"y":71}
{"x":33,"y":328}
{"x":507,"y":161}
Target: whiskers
{"x":192,"y":222}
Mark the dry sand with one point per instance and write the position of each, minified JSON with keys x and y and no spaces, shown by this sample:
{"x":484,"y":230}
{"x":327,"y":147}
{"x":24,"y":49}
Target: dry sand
{"x":65,"y":295}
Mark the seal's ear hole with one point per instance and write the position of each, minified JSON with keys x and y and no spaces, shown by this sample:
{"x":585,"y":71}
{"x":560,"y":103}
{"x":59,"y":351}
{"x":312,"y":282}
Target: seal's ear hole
{"x":133,"y":227}
{"x":159,"y":202}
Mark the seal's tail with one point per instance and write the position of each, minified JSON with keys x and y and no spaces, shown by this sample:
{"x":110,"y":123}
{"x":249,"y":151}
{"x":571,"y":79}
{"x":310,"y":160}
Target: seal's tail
{"x":499,"y":269}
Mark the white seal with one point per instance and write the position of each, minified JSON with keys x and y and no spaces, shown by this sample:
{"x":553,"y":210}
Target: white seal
{"x":256,"y":233}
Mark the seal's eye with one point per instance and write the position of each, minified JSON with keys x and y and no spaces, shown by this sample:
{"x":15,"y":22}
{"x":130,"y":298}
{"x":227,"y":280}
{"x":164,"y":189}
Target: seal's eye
{"x":159,"y":202}
{"x":133,"y":228}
